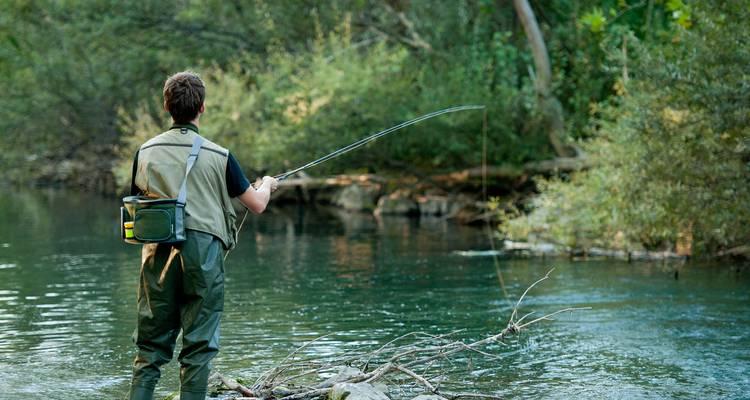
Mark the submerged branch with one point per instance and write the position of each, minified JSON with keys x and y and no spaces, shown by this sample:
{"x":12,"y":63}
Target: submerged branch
{"x":405,"y":359}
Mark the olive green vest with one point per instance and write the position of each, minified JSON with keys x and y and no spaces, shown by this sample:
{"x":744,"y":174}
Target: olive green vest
{"x":161,"y":168}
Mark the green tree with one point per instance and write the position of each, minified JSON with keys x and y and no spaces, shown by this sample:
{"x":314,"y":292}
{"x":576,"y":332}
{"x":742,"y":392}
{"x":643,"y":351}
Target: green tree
{"x":671,"y":155}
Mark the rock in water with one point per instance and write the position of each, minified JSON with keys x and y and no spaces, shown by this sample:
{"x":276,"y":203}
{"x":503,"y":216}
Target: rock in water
{"x":343,"y":374}
{"x":357,"y":198}
{"x":356,"y":391}
{"x":396,"y":204}
{"x":436,"y":205}
{"x":381,"y":387}
{"x":429,"y":397}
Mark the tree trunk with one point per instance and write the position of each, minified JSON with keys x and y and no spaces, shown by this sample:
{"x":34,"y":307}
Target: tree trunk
{"x":549,"y":106}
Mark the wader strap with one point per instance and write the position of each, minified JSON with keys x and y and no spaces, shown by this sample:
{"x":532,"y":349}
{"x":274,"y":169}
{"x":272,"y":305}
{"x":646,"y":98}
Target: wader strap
{"x":182,"y":196}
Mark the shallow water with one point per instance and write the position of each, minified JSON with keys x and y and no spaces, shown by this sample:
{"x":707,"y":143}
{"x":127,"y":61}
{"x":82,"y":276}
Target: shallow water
{"x":67,"y":306}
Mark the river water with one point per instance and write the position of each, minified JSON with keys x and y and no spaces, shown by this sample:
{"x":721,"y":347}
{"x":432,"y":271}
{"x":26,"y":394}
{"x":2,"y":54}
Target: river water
{"x":67,"y":306}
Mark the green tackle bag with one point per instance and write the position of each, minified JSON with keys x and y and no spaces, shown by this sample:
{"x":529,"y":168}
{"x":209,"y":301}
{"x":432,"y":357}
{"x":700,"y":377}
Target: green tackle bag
{"x":150,"y":220}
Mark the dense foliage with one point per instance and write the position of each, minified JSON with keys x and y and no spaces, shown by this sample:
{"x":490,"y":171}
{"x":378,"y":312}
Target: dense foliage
{"x":671,"y":154}
{"x":291,"y":80}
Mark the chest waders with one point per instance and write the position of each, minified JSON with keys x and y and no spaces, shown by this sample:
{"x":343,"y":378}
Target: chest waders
{"x":181,"y":288}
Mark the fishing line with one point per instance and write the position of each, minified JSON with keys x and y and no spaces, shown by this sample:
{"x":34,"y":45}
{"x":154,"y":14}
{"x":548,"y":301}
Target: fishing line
{"x":488,"y":226}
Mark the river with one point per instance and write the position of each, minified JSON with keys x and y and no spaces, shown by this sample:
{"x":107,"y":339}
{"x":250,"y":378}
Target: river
{"x":68,"y":286}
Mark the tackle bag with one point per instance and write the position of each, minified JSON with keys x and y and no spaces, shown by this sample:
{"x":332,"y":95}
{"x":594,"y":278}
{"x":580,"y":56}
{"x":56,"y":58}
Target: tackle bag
{"x":150,"y":220}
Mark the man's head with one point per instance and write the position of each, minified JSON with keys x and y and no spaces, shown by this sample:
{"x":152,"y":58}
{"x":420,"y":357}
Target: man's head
{"x":184,"y":93}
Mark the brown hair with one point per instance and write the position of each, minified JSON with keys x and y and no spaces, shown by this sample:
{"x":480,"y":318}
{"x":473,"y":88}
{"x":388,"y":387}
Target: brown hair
{"x":184,"y":93}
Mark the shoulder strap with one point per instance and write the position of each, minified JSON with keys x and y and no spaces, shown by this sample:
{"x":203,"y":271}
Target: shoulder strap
{"x":182,"y":196}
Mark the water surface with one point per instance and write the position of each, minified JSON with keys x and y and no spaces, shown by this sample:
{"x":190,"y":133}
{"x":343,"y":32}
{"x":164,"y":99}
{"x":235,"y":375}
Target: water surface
{"x":67,"y":306}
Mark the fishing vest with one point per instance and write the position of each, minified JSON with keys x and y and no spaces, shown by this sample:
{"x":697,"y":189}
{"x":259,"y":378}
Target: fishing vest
{"x":161,"y":169}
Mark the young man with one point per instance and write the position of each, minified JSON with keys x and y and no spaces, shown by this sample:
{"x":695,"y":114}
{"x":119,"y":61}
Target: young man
{"x":182,"y":287}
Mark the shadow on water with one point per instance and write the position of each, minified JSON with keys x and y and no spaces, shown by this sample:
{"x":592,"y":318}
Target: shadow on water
{"x":67,"y":305}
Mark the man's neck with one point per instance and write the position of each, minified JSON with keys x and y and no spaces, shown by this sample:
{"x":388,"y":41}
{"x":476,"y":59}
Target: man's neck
{"x":192,"y":125}
{"x":193,"y":122}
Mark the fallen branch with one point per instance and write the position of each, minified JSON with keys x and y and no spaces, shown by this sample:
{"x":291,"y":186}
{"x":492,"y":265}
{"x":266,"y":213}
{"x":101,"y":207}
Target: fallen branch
{"x":405,"y":360}
{"x":544,"y":167}
{"x":232,"y":384}
{"x":743,"y":251}
{"x":424,"y":382}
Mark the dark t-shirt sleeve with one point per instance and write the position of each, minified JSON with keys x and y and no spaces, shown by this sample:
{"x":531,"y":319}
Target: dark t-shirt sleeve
{"x":237,"y":182}
{"x":134,"y":190}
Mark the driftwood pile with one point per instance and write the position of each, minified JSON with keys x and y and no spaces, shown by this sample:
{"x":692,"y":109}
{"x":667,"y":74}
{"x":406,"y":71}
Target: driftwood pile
{"x":412,"y":364}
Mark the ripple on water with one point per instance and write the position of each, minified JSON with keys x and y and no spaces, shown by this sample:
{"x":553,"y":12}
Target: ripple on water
{"x":66,"y":319}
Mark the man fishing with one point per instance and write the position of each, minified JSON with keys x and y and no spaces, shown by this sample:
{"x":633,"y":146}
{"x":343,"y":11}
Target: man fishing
{"x":181,"y":286}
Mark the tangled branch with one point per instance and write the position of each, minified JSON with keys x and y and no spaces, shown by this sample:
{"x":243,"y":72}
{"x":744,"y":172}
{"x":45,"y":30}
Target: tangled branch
{"x":408,"y":359}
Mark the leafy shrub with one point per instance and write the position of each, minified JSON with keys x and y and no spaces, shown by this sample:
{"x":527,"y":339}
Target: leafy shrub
{"x":670,"y":156}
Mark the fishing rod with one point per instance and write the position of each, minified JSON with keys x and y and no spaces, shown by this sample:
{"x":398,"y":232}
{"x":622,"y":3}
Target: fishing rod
{"x":368,"y":139}
{"x":359,"y":143}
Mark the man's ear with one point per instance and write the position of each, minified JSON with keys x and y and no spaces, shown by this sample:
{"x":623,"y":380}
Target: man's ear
{"x":202,"y":109}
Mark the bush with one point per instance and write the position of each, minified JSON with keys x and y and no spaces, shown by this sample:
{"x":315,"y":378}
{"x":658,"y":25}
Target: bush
{"x":671,"y":155}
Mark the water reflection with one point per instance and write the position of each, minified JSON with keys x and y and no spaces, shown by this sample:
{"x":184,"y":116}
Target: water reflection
{"x":67,"y":305}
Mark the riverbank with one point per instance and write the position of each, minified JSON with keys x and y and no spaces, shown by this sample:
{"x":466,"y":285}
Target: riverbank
{"x":378,"y":195}
{"x":460,"y":196}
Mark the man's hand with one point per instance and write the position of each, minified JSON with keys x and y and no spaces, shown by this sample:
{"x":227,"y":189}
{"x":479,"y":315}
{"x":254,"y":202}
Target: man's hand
{"x":256,"y":197}
{"x":272,"y":183}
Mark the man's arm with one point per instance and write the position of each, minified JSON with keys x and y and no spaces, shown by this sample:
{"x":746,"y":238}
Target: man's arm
{"x":256,"y":200}
{"x":238,"y":186}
